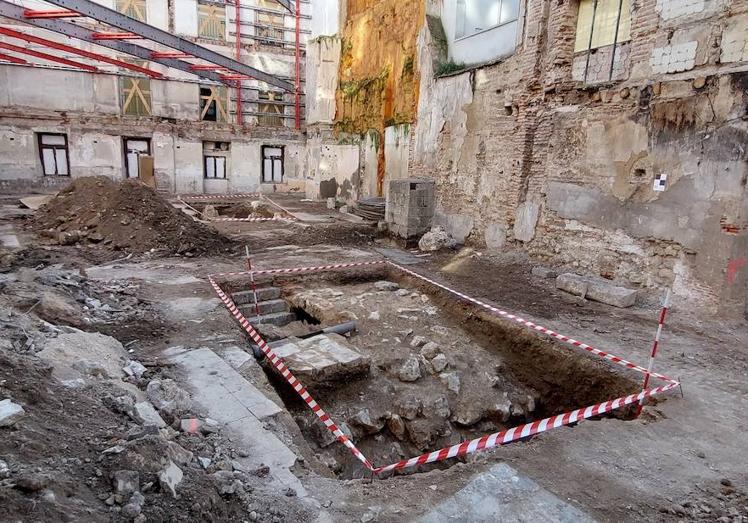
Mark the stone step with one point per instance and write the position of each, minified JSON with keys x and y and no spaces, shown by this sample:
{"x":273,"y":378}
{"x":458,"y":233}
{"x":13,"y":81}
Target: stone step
{"x":264,"y":294}
{"x":226,"y":396}
{"x":279,"y":319}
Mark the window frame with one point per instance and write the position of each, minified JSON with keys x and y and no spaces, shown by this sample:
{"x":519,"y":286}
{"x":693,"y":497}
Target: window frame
{"x":224,"y":22}
{"x":64,"y":147}
{"x":618,"y":38}
{"x":126,"y":139}
{"x":491,"y":28}
{"x":282,"y":157}
{"x":274,"y":118}
{"x":213,"y":155}
{"x":218,"y":96}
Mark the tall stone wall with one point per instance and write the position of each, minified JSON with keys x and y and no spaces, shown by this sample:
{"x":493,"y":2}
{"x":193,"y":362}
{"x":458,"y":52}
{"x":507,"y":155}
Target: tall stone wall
{"x":523,"y":152}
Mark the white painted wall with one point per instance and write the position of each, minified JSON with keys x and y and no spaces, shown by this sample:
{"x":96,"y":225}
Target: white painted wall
{"x":323,"y":63}
{"x":326,"y":18}
{"x":370,"y":145}
{"x":188,"y":166}
{"x":93,"y":154}
{"x":482,"y":47}
{"x":157,"y":13}
{"x":396,"y":148}
{"x":185,"y":19}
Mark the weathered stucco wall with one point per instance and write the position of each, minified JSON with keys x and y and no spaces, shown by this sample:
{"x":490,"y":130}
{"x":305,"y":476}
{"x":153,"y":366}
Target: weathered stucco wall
{"x":523,"y":153}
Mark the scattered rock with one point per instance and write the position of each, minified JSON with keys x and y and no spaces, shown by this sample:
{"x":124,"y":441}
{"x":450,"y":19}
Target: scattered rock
{"x":210,"y":426}
{"x":134,"y":368}
{"x":402,"y":292}
{"x":145,"y":414}
{"x":10,"y":413}
{"x":210,"y":212}
{"x":226,"y":484}
{"x":134,"y":506}
{"x":396,"y":426}
{"x":191,"y":425}
{"x":436,"y":239}
{"x":141,"y":432}
{"x":500,"y":410}
{"x":374,"y":316}
{"x":4,"y":470}
{"x":170,"y":478}
{"x":126,"y":482}
{"x":451,"y":380}
{"x":429,"y":350}
{"x":544,"y":272}
{"x":32,"y":482}
{"x":418,"y":341}
{"x":420,"y":433}
{"x":68,"y":237}
{"x":408,"y":406}
{"x":410,"y":370}
{"x":362,"y":419}
{"x":205,"y":462}
{"x":439,"y":363}
{"x":168,"y":397}
{"x":179,"y":454}
{"x":384,"y":285}
{"x":468,"y":413}
{"x":438,"y":408}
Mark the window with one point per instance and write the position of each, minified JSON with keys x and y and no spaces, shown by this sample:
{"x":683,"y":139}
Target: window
{"x":211,"y":20}
{"x":134,"y":149}
{"x":215,"y":158}
{"x":132,"y":8}
{"x":271,"y":107}
{"x":605,"y":21}
{"x":53,"y":150}
{"x":270,"y":25}
{"x":476,"y":16}
{"x":272,"y":164}
{"x":213,"y":104}
{"x":136,"y":96}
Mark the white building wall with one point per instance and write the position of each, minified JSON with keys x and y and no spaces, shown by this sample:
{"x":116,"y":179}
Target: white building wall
{"x":326,"y":19}
{"x":485,"y":46}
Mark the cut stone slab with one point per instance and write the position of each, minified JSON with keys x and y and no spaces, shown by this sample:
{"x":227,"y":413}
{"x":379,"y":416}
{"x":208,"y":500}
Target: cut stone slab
{"x":146,"y":415}
{"x":503,"y":494}
{"x":544,"y":272}
{"x":572,"y":283}
{"x":10,"y":413}
{"x":323,"y":358}
{"x":74,"y":355}
{"x":279,"y":319}
{"x":597,"y":290}
{"x":170,"y":478}
{"x":263,"y":294}
{"x":229,"y":399}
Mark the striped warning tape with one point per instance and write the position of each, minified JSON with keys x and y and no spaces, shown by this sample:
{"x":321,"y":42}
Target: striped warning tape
{"x":293,"y":270}
{"x":289,"y":377}
{"x":468,"y":447}
{"x":534,"y":326}
{"x":253,"y":219}
{"x":200,"y":197}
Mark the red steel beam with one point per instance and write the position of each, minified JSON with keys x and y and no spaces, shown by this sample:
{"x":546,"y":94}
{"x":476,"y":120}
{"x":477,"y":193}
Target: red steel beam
{"x":45,"y":56}
{"x":12,"y":59}
{"x":50,"y":13}
{"x":210,"y":67}
{"x":70,"y":49}
{"x":116,"y":36}
{"x":170,"y":54}
{"x":235,"y":77}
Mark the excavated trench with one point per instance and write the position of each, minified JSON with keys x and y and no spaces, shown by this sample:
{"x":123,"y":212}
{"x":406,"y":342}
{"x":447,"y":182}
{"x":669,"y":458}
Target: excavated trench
{"x":476,"y":373}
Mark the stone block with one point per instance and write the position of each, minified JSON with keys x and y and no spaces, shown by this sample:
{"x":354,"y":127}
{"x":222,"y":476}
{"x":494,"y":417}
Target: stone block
{"x":544,"y":272}
{"x":526,"y":218}
{"x":495,"y":236}
{"x":10,"y":413}
{"x":572,"y":283}
{"x":610,"y":294}
{"x":325,"y":358}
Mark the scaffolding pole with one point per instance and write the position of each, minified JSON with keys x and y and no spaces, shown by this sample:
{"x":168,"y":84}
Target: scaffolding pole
{"x":297,"y":86}
{"x":238,"y":20}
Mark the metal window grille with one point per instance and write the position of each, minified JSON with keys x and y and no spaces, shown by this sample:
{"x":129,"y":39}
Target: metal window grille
{"x":269,"y":26}
{"x":602,"y":23}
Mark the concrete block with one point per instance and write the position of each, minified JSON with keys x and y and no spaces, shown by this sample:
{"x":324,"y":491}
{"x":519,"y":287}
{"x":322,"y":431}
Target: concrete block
{"x":572,"y":283}
{"x":495,"y":235}
{"x":458,"y":226}
{"x":544,"y":272}
{"x":278,"y":319}
{"x":264,"y":294}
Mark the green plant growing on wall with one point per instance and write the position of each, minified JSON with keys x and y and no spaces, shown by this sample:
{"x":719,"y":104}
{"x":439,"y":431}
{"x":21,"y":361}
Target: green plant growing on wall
{"x":448,"y":67}
{"x":353,"y":89}
{"x":408,"y":67}
{"x":374,"y":137}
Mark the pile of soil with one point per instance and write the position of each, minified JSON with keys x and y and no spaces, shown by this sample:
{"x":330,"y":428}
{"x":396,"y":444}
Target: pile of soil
{"x":248,"y":210}
{"x":125,"y":216}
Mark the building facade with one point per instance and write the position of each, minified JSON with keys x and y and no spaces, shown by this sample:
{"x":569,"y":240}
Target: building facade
{"x":58,"y":123}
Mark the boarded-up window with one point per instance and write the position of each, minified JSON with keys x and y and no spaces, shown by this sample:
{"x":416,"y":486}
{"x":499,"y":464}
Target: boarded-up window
{"x":211,"y":20}
{"x":269,"y":28}
{"x":136,"y":96}
{"x":270,"y":107}
{"x":272,"y":164}
{"x":607,"y":21}
{"x":132,"y":8}
{"x":215,"y":159}
{"x":213,"y":104}
{"x":53,"y":149}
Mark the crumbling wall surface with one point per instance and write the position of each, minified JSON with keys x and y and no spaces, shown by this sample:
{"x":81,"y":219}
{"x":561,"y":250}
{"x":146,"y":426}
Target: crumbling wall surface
{"x":332,"y":168}
{"x":524,"y":154}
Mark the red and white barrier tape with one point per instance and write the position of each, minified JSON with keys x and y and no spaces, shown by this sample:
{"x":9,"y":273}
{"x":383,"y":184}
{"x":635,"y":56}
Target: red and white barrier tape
{"x":294,"y":270}
{"x":252,"y":220}
{"x":468,"y":447}
{"x":289,"y":377}
{"x":218,"y":196}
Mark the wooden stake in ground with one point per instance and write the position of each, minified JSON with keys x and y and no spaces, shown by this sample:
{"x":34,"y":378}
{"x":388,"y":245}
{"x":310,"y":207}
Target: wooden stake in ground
{"x":254,"y":285}
{"x":655,"y":346}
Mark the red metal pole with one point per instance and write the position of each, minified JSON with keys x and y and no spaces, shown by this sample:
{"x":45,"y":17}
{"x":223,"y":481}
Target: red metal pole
{"x":12,"y":59}
{"x":655,"y":346}
{"x":238,"y":19}
{"x":297,"y":94}
{"x":49,"y":57}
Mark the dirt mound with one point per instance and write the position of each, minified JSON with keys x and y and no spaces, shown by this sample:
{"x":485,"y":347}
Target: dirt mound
{"x":127,"y":216}
{"x":248,"y":210}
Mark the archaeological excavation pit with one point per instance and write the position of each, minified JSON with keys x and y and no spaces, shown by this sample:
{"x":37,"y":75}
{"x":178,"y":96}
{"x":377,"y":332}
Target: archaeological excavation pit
{"x":420,"y":372}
